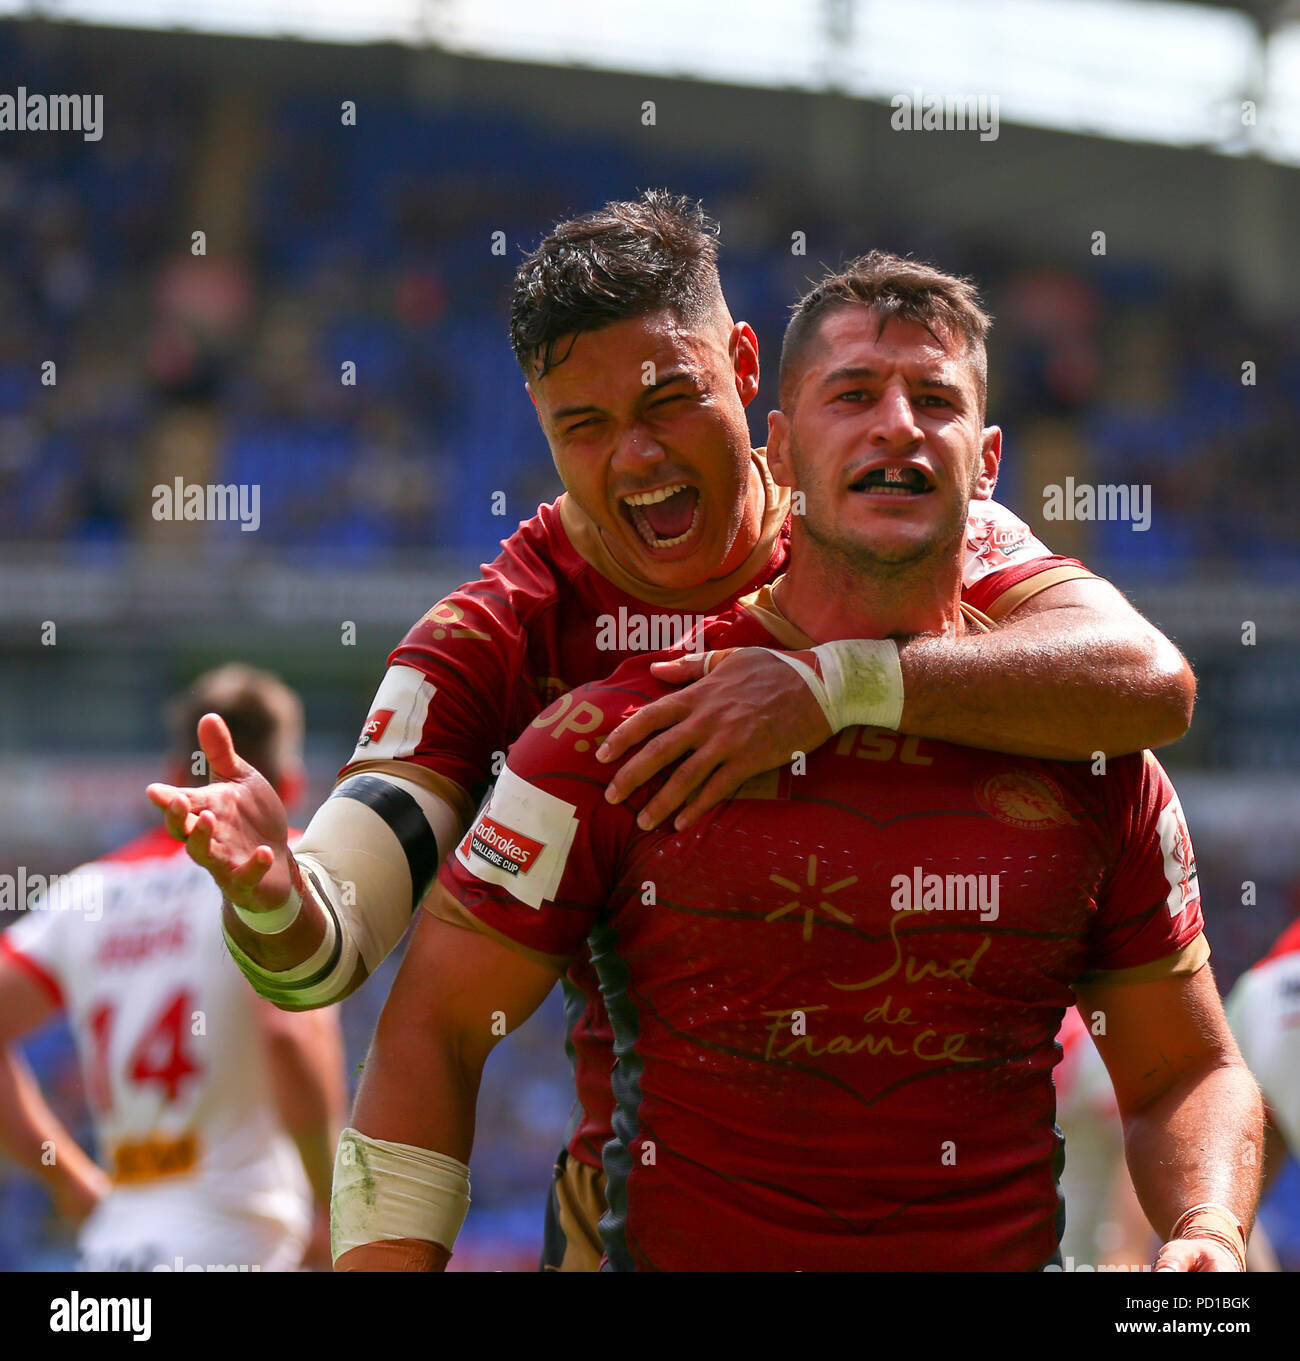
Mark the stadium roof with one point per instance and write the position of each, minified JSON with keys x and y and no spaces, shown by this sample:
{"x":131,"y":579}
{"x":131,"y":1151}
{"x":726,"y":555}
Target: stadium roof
{"x":1141,"y":70}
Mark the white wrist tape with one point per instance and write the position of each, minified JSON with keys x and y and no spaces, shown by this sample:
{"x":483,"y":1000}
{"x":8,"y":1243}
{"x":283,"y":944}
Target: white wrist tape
{"x":384,"y":1190}
{"x":861,"y":682}
{"x":314,"y":982}
{"x":276,"y":920}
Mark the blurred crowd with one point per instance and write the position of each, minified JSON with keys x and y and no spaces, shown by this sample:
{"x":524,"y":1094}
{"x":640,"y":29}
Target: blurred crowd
{"x":390,"y":245}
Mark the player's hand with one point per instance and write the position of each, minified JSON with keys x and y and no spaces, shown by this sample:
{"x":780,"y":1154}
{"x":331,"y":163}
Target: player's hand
{"x":234,"y":827}
{"x":743,"y":712}
{"x":1195,"y":1254}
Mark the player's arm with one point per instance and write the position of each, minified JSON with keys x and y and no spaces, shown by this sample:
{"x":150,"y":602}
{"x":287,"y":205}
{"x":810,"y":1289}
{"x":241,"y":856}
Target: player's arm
{"x":1072,"y":670}
{"x":1193,"y":1117}
{"x":30,"y":1133}
{"x":306,"y":927}
{"x":305,"y":1059}
{"x":418,"y":1092}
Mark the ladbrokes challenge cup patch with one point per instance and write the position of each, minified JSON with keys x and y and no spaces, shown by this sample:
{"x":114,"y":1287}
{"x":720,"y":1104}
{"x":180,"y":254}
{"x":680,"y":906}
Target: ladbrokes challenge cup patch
{"x":520,"y":840}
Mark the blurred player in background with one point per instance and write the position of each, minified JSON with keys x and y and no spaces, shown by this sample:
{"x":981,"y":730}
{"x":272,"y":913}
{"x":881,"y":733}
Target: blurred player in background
{"x":815,"y":1072}
{"x":215,"y":1112}
{"x":1264,"y":1012}
{"x":640,"y":377}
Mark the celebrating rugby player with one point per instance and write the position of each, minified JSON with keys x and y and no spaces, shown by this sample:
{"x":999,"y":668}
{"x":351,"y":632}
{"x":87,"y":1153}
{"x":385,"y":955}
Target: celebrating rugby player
{"x":835,"y":998}
{"x":640,"y":378}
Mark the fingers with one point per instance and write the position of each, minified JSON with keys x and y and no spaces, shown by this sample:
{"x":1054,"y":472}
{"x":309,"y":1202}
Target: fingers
{"x":683,"y":670}
{"x":719,"y":787}
{"x":1194,"y":1254}
{"x":251,"y":873}
{"x":224,"y":761}
{"x":176,"y":808}
{"x":680,"y":786}
{"x":662,"y":713}
{"x":658,"y":753}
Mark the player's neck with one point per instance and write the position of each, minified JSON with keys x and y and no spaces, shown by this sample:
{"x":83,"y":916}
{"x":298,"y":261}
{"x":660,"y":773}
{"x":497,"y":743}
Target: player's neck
{"x":829,"y":599}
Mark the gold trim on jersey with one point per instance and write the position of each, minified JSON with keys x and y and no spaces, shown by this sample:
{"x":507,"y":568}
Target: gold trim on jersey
{"x":1181,"y":964}
{"x":441,"y":904}
{"x":705,"y":598}
{"x":1015,"y":596}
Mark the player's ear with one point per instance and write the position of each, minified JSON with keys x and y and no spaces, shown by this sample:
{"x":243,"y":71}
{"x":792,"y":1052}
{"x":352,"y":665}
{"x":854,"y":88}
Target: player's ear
{"x":990,"y":457}
{"x":742,"y":345}
{"x":778,"y":448}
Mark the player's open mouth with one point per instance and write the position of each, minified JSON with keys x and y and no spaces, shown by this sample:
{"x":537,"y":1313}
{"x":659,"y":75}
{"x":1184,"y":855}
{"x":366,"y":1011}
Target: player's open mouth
{"x":665,"y":517}
{"x":894,"y":479}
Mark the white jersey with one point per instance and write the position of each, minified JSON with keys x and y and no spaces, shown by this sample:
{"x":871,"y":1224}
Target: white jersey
{"x":1264,"y":1013}
{"x":174,"y":1064}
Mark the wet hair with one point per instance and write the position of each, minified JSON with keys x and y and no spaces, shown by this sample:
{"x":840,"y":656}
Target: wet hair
{"x":624,"y":260}
{"x":894,"y":288}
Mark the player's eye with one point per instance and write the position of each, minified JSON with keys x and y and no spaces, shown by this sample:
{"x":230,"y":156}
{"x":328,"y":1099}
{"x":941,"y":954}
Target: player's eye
{"x":580,"y":425}
{"x":932,"y":399}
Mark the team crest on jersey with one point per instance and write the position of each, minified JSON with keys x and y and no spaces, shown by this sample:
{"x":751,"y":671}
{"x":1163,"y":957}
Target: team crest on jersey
{"x":1179,"y":858}
{"x":1025,"y":799}
{"x":994,"y":539}
{"x":397,"y":716}
{"x":520,"y":840}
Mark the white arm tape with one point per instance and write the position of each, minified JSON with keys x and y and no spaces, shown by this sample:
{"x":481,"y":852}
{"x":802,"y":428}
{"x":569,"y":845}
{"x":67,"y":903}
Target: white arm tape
{"x":861,"y":682}
{"x":384,"y":1190}
{"x":362,"y":866}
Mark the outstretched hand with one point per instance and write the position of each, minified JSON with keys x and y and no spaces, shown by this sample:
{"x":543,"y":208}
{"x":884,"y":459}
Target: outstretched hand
{"x":235,"y":827}
{"x":742,"y":712}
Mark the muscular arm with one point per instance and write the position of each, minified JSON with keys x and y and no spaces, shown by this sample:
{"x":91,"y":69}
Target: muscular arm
{"x":1193,"y":1117}
{"x":421,"y":1079}
{"x":30,"y":1133}
{"x":1073,"y":671}
{"x":305,"y":1056}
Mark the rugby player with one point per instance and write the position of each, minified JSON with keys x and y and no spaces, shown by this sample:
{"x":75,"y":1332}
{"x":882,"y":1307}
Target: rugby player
{"x":215,"y":1113}
{"x":824,"y":1061}
{"x":1264,"y":1011}
{"x":640,"y":378}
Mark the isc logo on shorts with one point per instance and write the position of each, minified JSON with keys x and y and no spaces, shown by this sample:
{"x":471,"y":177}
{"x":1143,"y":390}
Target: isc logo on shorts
{"x":502,"y":846}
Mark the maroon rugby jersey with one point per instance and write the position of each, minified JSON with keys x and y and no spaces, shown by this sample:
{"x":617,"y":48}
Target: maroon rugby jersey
{"x":555,"y":611}
{"x":834,"y":999}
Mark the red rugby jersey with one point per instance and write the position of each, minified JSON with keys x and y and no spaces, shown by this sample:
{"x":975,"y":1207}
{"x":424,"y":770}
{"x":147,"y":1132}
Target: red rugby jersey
{"x":553,"y":611}
{"x":835,"y":999}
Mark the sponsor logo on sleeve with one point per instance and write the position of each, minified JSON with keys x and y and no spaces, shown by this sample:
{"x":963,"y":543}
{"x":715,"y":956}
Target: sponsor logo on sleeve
{"x":375,"y":726}
{"x":397,"y":716}
{"x":503,"y":847}
{"x":1179,"y":859}
{"x":520,"y":840}
{"x":994,"y":539}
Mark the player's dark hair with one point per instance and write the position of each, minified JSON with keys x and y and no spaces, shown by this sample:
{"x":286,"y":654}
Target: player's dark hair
{"x":624,"y":260}
{"x":894,"y":288}
{"x":264,"y":717}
